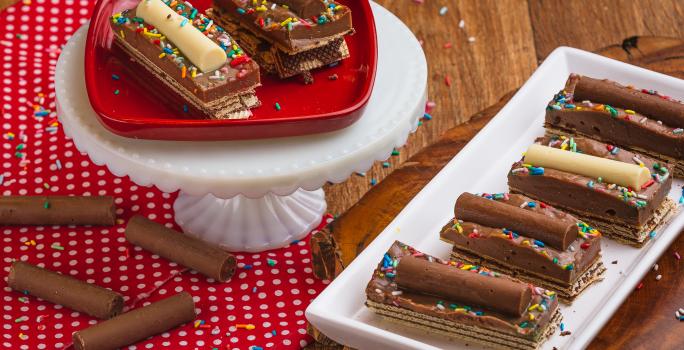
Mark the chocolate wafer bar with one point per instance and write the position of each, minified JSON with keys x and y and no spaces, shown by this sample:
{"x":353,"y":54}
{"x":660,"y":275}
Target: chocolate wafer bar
{"x":138,"y":324}
{"x":287,"y":37}
{"x":57,"y":210}
{"x":190,"y":56}
{"x":640,"y":120}
{"x":185,"y":250}
{"x":461,"y":300}
{"x":621,"y":193}
{"x":64,"y":290}
{"x":527,"y":239}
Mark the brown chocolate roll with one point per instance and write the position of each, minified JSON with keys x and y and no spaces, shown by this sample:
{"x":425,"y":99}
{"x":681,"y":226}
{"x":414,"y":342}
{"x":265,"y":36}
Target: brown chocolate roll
{"x":188,"y":251}
{"x":556,"y":233}
{"x":64,"y":290}
{"x":57,"y":210}
{"x":610,"y":93}
{"x":137,"y":324}
{"x":500,"y":294}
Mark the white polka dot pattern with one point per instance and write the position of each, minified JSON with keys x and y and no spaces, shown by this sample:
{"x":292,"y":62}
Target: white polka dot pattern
{"x":270,"y":290}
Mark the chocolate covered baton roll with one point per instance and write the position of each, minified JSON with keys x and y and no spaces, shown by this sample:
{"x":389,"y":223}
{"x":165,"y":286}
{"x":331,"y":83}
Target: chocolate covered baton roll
{"x":57,"y":210}
{"x":137,"y":324}
{"x":556,"y":233}
{"x":605,"y":91}
{"x":188,"y":251}
{"x":64,"y":290}
{"x":502,"y":295}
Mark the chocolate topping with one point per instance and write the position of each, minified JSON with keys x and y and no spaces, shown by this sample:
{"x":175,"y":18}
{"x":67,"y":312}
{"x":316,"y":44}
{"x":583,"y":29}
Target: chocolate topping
{"x":556,"y":233}
{"x":499,"y":294}
{"x":57,"y":210}
{"x":188,"y":251}
{"x":304,"y":8}
{"x":608,"y":92}
{"x":64,"y":290}
{"x":137,"y":324}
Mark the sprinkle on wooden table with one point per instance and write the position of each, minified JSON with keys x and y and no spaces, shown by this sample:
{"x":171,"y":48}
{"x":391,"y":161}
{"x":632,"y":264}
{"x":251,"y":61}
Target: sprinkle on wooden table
{"x":655,"y":267}
{"x":443,"y":10}
{"x":659,"y":277}
{"x":677,"y":256}
{"x":641,"y":285}
{"x":447,"y":81}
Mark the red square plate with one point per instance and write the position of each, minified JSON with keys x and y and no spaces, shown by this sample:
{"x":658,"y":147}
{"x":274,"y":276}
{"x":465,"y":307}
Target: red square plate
{"x":326,"y":105}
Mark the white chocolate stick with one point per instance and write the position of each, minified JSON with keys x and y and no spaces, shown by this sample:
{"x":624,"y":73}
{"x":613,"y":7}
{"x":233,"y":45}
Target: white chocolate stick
{"x":623,"y":174}
{"x":197,"y":47}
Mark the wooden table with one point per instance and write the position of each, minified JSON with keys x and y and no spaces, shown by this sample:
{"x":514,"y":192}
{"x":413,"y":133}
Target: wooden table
{"x":499,"y":45}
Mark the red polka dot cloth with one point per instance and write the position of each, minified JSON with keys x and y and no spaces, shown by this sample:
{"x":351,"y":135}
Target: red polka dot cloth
{"x":269,"y":290}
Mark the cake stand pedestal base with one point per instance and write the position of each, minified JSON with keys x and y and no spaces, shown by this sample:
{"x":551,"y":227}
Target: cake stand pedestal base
{"x":250,"y":224}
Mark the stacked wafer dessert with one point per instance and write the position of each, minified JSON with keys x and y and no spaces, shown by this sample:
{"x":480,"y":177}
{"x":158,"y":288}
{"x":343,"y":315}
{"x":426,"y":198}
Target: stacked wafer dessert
{"x":288,"y":37}
{"x":461,"y":300}
{"x":641,"y":120}
{"x":527,"y":239}
{"x":623,"y":194}
{"x":189,"y":56}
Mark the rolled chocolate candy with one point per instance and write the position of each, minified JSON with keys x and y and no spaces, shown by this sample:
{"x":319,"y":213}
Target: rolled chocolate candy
{"x":137,"y":324}
{"x":495,"y":293}
{"x":611,"y":171}
{"x":553,"y":232}
{"x":197,"y":47}
{"x":607,"y":92}
{"x":57,"y":210}
{"x":188,"y":251}
{"x":64,"y":290}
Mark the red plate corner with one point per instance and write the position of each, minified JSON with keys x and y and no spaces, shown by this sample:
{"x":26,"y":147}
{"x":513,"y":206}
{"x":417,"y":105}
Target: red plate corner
{"x":127,"y":108}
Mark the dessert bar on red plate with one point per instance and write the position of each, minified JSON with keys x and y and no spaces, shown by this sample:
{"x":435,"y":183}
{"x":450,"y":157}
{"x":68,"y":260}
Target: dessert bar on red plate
{"x":126,"y":105}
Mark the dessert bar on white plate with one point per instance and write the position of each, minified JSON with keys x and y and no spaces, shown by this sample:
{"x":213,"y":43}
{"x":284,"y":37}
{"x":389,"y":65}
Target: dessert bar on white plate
{"x":482,"y":166}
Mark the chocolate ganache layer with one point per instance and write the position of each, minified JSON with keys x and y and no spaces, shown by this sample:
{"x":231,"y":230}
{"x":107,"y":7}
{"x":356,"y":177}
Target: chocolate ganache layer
{"x":500,"y":242}
{"x":636,"y":118}
{"x":428,"y":294}
{"x":592,"y":197}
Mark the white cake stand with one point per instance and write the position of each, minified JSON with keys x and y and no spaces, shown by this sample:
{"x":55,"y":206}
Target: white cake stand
{"x":259,"y":194}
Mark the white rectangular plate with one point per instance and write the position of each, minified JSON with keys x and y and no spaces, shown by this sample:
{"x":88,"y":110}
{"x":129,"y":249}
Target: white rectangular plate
{"x":482,"y":166}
